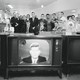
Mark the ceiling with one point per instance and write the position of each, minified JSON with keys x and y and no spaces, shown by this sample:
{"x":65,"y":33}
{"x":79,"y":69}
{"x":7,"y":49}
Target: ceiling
{"x":30,"y":4}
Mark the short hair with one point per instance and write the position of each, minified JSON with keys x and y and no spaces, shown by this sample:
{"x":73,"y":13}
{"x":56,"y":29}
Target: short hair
{"x":28,"y":15}
{"x":32,"y":12}
{"x":35,"y":44}
{"x":42,"y":14}
{"x":53,"y":13}
{"x":62,"y":12}
{"x":69,"y":17}
{"x":47,"y":14}
{"x":73,"y":15}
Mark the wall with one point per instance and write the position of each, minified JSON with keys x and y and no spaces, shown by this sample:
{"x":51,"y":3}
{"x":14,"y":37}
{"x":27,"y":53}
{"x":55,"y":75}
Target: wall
{"x":59,"y":5}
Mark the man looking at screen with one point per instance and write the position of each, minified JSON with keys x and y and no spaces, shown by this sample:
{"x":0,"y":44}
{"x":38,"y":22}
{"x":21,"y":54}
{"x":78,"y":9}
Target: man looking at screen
{"x":35,"y":55}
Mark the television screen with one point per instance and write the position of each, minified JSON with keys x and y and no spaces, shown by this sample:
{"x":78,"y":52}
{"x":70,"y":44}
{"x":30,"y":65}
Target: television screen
{"x":30,"y":52}
{"x":74,"y":50}
{"x":35,"y":52}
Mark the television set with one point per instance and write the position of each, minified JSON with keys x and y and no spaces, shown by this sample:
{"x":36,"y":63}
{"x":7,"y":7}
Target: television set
{"x":28,"y":53}
{"x":49,"y":48}
{"x":42,"y":47}
{"x":73,"y":49}
{"x":3,"y":48}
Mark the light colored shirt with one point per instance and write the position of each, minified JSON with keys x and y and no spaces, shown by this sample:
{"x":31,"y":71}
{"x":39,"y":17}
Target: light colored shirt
{"x":70,"y":26}
{"x":64,"y":19}
{"x":34,"y":61}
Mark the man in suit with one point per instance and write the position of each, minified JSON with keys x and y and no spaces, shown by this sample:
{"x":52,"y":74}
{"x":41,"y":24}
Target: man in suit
{"x":42,"y":23}
{"x":22,"y":24}
{"x":15,"y":22}
{"x":50,"y":23}
{"x":34,"y":57}
{"x":34,"y":24}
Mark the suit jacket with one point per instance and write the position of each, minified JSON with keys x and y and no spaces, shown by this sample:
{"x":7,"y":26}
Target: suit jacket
{"x":29,"y":60}
{"x":50,"y":25}
{"x":33,"y":24}
{"x":45,"y":24}
{"x":13,"y":22}
{"x":22,"y":26}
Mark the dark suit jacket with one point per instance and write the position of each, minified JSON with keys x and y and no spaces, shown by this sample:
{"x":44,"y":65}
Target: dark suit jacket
{"x":45,"y":24}
{"x":28,"y":59}
{"x":50,"y":26}
{"x":33,"y":24}
{"x":22,"y":26}
{"x":13,"y":22}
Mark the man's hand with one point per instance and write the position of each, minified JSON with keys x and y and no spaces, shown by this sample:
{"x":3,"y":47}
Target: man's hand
{"x":33,"y":28}
{"x":16,"y":25}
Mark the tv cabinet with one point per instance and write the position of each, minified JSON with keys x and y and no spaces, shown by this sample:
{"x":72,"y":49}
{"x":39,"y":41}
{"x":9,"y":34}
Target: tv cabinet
{"x":12,"y":47}
{"x":71,"y":54}
{"x":3,"y":51}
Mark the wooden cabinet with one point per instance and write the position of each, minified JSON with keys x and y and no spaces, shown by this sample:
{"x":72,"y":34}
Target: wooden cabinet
{"x":18,"y":46}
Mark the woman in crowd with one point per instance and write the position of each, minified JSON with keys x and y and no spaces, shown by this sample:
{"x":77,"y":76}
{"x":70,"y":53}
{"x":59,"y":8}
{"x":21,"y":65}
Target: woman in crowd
{"x":70,"y":25}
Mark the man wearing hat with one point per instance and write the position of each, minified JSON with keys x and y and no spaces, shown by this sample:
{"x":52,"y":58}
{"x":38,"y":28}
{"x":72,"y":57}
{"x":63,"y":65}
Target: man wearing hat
{"x":34,"y":57}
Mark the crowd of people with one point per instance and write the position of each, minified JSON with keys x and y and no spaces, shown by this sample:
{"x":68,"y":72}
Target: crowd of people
{"x":48,"y":22}
{"x":27,"y":24}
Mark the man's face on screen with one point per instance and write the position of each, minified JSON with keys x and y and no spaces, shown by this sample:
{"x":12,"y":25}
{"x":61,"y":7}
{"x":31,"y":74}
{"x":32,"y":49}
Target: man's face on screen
{"x":35,"y":52}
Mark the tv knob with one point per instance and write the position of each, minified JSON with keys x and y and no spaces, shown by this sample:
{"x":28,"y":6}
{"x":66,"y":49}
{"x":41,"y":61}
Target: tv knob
{"x":57,"y":42}
{"x":56,"y":49}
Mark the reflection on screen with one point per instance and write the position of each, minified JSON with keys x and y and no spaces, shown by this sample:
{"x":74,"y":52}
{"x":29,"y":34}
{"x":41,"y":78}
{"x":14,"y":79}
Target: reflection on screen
{"x":74,"y":50}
